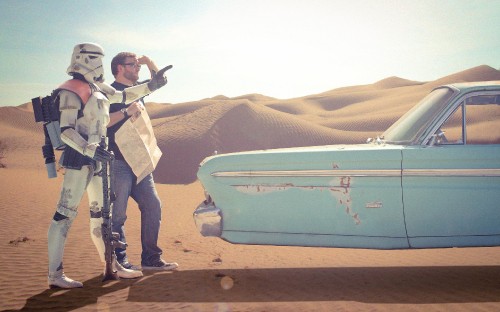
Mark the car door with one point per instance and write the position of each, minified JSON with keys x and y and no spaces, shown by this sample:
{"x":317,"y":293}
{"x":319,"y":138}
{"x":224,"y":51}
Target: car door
{"x":451,"y":189}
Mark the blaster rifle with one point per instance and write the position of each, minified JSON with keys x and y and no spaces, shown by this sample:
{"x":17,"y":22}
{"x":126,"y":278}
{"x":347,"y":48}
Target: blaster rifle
{"x":111,"y":239}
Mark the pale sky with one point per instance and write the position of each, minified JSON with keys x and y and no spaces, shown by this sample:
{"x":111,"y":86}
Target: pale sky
{"x":279,"y":48}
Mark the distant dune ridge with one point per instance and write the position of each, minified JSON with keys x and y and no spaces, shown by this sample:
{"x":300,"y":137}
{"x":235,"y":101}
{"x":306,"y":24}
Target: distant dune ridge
{"x":189,"y":132}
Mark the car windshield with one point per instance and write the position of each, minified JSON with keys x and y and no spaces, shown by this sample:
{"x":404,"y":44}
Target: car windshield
{"x":412,"y":124}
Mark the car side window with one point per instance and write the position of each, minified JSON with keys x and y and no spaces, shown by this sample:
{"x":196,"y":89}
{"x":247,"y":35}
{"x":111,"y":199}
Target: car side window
{"x":482,"y":119}
{"x":482,"y":122}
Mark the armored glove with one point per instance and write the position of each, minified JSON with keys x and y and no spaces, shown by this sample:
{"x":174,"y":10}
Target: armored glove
{"x":98,"y":153}
{"x":159,"y":80}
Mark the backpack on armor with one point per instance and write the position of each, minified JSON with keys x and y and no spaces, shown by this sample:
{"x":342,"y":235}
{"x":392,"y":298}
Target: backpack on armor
{"x":46,"y":110}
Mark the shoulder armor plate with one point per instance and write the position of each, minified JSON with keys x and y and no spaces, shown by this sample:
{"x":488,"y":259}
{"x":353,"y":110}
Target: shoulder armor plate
{"x":69,"y":100}
{"x":80,"y":88}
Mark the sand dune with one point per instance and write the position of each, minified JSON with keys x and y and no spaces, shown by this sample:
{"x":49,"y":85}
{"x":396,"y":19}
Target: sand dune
{"x":479,"y":73}
{"x":395,"y":82}
{"x":345,"y":115}
{"x":230,"y":126}
{"x":265,"y":278}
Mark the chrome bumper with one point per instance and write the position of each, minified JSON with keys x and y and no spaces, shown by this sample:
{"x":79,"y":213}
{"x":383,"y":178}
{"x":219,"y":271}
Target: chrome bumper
{"x":207,"y":218}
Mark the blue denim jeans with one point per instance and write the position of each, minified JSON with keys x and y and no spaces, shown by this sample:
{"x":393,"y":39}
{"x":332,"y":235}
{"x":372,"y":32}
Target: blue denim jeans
{"x":149,"y":203}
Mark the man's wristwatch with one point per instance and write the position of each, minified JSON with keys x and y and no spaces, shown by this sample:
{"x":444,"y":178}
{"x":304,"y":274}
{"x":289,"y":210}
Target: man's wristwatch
{"x":124,"y":112}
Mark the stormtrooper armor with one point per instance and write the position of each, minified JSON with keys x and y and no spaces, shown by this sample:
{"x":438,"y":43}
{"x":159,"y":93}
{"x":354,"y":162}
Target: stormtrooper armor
{"x":83,"y":121}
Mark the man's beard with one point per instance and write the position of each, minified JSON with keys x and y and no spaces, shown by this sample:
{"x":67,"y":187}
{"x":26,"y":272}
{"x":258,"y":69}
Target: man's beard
{"x":131,"y":76}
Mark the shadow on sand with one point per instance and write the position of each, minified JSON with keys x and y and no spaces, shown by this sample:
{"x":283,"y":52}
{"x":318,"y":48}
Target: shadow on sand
{"x":71,"y":299}
{"x":404,"y":285}
{"x":401,"y":285}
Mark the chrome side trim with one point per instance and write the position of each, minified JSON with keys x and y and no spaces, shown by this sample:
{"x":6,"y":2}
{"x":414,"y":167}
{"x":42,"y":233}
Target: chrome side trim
{"x":361,"y":173}
{"x":452,"y":172}
{"x":309,"y":173}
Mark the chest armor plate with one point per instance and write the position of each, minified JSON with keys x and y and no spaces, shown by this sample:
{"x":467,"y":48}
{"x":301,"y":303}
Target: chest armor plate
{"x":95,"y":117}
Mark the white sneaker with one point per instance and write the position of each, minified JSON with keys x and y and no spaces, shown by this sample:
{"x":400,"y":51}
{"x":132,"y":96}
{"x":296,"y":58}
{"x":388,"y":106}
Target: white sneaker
{"x":125,"y":273}
{"x":59,"y":280}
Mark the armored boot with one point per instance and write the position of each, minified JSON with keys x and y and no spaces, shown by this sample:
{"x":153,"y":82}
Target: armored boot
{"x":59,"y":280}
{"x":125,"y":273}
{"x":57,"y":234}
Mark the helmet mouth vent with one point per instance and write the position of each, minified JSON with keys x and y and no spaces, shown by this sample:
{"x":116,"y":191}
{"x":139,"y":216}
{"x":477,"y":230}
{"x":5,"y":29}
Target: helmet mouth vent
{"x":99,"y":79}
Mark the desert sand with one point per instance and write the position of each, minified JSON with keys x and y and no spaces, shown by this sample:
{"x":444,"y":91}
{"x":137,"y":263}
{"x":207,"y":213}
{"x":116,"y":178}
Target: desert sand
{"x":265,"y":278}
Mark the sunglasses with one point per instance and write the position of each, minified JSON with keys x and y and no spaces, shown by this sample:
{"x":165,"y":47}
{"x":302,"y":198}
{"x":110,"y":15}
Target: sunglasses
{"x":135,"y":65}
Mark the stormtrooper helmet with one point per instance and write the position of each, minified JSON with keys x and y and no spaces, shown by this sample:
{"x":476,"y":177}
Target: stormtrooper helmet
{"x":87,"y":61}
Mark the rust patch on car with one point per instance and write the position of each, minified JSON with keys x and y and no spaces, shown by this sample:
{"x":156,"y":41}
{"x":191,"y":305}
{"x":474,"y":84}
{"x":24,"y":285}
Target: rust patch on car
{"x":345,"y":182}
{"x":340,"y":192}
{"x":343,"y":196}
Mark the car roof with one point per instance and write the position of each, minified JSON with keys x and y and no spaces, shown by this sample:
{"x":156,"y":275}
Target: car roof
{"x":474,"y":86}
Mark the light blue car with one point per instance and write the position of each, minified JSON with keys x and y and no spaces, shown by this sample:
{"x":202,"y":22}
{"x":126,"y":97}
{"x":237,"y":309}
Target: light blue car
{"x":431,"y":180}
